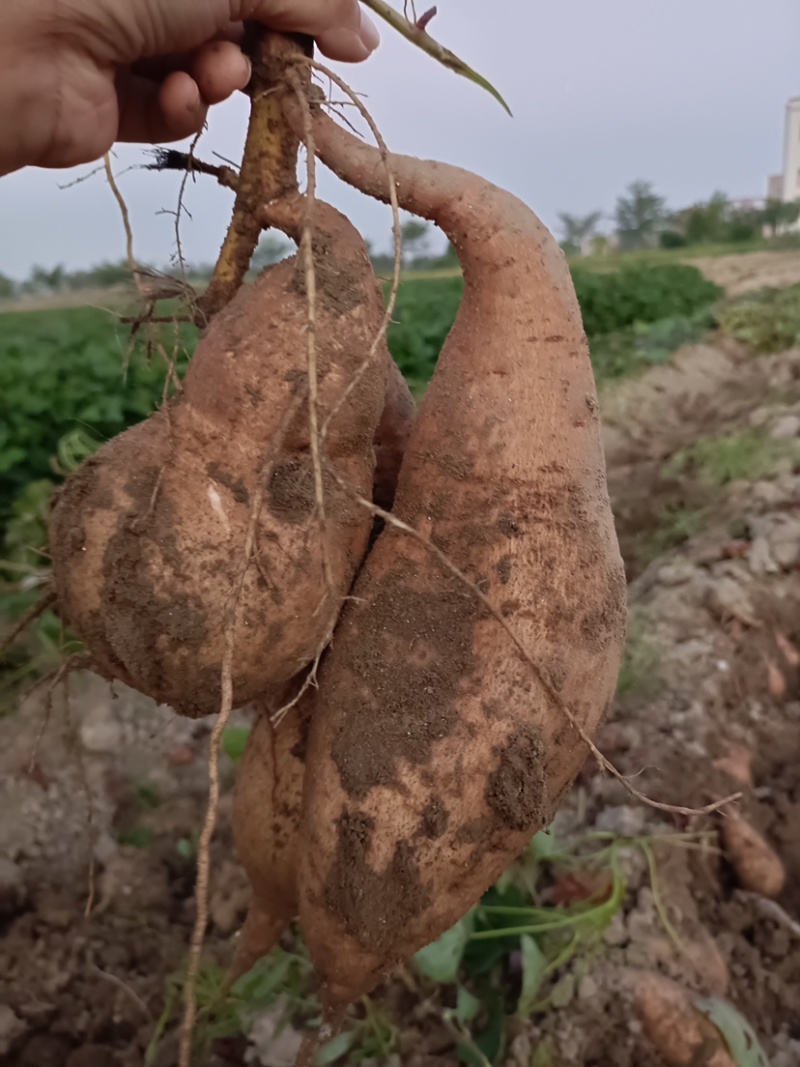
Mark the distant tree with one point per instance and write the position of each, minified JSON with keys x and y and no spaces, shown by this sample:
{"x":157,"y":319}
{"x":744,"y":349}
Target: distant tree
{"x":778,"y":213}
{"x":52,"y":280}
{"x":415,"y":235}
{"x":600,"y":245}
{"x":8,"y":288}
{"x":271,"y":249}
{"x":578,"y":230}
{"x":639,"y":216}
{"x":707,"y":223}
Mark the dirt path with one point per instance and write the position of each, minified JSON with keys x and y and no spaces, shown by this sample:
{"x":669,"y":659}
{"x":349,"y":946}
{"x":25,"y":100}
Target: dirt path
{"x":739,"y":274}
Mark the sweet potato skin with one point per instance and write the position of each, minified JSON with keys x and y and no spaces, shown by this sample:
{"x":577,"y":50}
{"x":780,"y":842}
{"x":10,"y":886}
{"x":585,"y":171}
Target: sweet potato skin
{"x":437,"y":750}
{"x":148,"y":537}
{"x":392,"y":436}
{"x":266,"y":816}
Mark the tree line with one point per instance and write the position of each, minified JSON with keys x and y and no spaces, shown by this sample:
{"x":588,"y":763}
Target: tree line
{"x":640,"y":220}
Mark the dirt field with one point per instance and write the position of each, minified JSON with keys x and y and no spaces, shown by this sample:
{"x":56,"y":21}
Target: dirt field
{"x":712,"y":684}
{"x":756,"y":270}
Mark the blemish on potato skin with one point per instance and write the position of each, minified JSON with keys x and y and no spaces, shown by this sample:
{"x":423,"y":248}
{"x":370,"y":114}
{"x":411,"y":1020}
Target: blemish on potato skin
{"x":417,"y":695}
{"x":435,"y":819}
{"x":372,"y":905}
{"x":515,"y":789}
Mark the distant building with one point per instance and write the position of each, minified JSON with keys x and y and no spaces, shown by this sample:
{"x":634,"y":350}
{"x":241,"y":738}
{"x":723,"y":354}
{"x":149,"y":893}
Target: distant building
{"x":786,"y":186}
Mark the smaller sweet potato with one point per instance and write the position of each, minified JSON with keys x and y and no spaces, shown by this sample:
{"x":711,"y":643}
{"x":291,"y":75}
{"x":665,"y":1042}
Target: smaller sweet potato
{"x":148,"y":537}
{"x":392,"y":436}
{"x":266,"y":816}
{"x":757,"y":865}
{"x":682,"y":1035}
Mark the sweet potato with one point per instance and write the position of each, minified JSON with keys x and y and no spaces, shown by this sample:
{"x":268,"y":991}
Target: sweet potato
{"x":269,"y":781}
{"x":437,"y":750}
{"x":392,"y":435}
{"x":266,"y":816}
{"x":757,"y":865}
{"x":673,"y":1025}
{"x":147,"y":538}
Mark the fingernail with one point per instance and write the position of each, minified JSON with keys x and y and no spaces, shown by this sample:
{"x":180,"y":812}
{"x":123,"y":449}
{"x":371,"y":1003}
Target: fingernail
{"x":369,"y":32}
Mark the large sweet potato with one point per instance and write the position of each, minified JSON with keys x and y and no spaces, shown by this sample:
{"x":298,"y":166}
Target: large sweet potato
{"x":437,"y":750}
{"x":269,"y":781}
{"x":147,"y":538}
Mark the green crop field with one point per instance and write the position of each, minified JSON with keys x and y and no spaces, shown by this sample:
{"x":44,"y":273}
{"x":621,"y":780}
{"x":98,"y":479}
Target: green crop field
{"x":71,"y":378}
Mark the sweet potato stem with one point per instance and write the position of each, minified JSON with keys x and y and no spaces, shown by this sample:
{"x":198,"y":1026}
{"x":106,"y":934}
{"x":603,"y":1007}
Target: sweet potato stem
{"x":269,"y":164}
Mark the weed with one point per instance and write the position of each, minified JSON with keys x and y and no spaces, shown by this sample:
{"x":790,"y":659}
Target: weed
{"x":638,"y":676}
{"x":744,"y":455}
{"x":767,"y":321}
{"x":676,"y":525}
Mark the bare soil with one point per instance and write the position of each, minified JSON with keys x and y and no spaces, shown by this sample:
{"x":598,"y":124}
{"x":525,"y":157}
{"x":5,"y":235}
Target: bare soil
{"x":714,"y":672}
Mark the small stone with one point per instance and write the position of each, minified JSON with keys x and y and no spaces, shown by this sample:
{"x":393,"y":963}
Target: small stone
{"x":784,"y":543}
{"x":91,"y":1056}
{"x":100,"y":730}
{"x":45,"y":1050}
{"x":274,"y":1045}
{"x":563,"y":992}
{"x":105,"y":848}
{"x":616,"y":933}
{"x":727,"y":598}
{"x":11,"y":1027}
{"x":587,"y":988}
{"x":626,"y":821}
{"x":760,"y":417}
{"x":520,"y":1051}
{"x":13,"y":892}
{"x":785,"y":428}
{"x":672,"y":574}
{"x":760,"y":558}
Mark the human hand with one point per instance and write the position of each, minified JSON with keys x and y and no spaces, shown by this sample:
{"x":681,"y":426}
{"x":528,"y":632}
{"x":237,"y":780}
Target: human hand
{"x":78,"y":75}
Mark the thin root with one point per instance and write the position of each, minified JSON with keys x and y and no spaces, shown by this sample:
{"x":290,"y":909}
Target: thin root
{"x":307,"y":252}
{"x":30,"y":616}
{"x":396,"y":233}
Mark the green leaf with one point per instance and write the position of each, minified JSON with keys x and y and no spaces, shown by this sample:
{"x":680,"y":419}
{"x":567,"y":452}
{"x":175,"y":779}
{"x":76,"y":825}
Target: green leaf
{"x":543,"y":844}
{"x":534,"y":968}
{"x":335,"y":1048}
{"x":490,"y":1041}
{"x":739,"y":1036}
{"x":422,"y":39}
{"x":467,"y":1006}
{"x":259,"y":984}
{"x":234,"y":741}
{"x":441,"y":960}
{"x":185,"y":848}
{"x":136,"y":837}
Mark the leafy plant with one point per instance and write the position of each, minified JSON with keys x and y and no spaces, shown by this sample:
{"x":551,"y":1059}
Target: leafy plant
{"x":747,"y":454}
{"x":62,"y":372}
{"x":767,"y":321}
{"x":639,"y":672}
{"x":611,"y":301}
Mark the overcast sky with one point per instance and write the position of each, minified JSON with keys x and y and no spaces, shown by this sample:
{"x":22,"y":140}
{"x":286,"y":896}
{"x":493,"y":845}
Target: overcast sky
{"x":689,"y":94}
